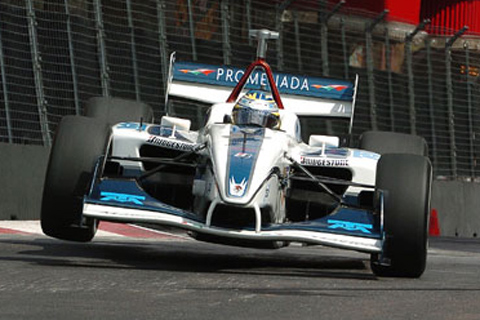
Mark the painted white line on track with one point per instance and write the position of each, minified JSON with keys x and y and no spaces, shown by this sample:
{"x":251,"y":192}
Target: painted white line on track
{"x":106,"y":229}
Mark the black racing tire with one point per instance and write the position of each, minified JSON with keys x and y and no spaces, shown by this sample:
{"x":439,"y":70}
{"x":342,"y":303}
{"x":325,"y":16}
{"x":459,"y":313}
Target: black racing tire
{"x":406,"y":180}
{"x":115,"y":110}
{"x":383,"y":142}
{"x":78,"y":143}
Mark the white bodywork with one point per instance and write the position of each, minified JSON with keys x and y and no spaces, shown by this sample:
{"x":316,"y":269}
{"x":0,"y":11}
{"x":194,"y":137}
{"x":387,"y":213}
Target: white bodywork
{"x":263,"y":188}
{"x":255,"y":179}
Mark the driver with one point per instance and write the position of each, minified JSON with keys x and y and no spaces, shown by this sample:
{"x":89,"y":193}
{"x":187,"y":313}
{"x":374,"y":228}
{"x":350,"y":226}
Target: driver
{"x":257,"y":108}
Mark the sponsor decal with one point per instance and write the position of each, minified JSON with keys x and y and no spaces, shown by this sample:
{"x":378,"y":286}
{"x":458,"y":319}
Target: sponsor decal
{"x":336,"y":152}
{"x":170,"y":144}
{"x":257,"y":79}
{"x":350,"y":226}
{"x":131,"y":125}
{"x":365,"y":154}
{"x":330,"y":87}
{"x":237,"y":189}
{"x":197,"y":72}
{"x":122,"y":197}
{"x":243,"y":155}
{"x":322,"y":162}
{"x":286,"y":83}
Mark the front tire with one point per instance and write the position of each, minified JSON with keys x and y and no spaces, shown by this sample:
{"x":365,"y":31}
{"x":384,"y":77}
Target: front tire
{"x":406,"y":181}
{"x":78,"y":143}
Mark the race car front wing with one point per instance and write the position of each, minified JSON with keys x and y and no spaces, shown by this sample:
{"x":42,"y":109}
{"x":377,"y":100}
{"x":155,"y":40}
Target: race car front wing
{"x":123,"y":200}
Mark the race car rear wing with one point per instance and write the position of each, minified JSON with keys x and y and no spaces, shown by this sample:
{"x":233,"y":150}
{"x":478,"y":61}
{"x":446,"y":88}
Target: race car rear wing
{"x":303,"y":95}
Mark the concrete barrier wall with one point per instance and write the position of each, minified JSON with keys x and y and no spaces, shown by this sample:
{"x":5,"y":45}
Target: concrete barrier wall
{"x":22,"y":171}
{"x":458,"y":207}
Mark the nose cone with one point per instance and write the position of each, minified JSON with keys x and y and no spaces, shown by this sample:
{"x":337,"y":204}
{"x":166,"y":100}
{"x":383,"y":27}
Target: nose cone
{"x":243,"y":150}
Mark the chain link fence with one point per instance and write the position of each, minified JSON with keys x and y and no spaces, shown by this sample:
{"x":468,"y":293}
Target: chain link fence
{"x":55,"y":54}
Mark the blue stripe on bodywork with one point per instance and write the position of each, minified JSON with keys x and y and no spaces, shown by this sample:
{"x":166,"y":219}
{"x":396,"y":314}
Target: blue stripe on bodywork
{"x":345,"y":221}
{"x":126,"y":193}
{"x":243,"y":149}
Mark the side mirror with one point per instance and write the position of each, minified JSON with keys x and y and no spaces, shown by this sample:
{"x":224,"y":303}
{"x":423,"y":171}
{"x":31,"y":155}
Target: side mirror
{"x":324,"y":141}
{"x":178,"y":123}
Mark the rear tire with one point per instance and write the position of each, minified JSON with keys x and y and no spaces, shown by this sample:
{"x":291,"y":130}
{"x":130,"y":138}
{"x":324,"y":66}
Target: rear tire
{"x":383,"y":142}
{"x":406,"y":181}
{"x":115,"y":110}
{"x":78,"y":143}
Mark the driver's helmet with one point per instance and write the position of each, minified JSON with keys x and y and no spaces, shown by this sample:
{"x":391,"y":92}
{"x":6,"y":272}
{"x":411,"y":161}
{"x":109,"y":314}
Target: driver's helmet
{"x":257,"y":108}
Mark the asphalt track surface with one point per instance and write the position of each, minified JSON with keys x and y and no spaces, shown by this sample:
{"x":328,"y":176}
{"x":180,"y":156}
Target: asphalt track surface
{"x":133,"y":273}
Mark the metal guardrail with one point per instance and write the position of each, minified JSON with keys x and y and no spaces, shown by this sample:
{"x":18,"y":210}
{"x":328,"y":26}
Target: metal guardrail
{"x":54,"y":55}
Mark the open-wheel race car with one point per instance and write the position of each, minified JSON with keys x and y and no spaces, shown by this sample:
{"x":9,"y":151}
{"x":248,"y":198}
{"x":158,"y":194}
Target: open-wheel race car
{"x":246,"y":177}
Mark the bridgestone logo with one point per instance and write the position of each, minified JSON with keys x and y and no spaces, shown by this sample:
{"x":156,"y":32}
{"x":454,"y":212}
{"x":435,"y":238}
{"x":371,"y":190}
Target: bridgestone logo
{"x":324,"y":162}
{"x":170,"y":144}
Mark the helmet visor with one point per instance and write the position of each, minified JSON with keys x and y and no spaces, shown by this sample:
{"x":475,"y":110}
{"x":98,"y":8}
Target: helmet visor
{"x":261,"y":118}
